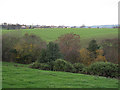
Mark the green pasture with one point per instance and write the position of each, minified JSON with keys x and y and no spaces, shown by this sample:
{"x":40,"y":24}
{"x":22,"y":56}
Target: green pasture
{"x":86,"y":34}
{"x":20,"y":76}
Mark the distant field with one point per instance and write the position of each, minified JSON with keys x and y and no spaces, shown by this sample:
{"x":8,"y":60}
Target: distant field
{"x":20,"y":76}
{"x":86,"y":34}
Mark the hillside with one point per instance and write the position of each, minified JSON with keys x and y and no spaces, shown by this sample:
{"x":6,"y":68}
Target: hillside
{"x":20,"y":76}
{"x":86,"y":34}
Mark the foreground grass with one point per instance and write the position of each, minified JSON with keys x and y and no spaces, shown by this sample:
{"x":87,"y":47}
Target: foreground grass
{"x":20,"y":76}
{"x":86,"y":34}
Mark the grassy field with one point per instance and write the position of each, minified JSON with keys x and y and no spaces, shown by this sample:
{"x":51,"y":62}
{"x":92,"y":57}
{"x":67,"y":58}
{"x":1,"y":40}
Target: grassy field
{"x":20,"y":76}
{"x":86,"y":34}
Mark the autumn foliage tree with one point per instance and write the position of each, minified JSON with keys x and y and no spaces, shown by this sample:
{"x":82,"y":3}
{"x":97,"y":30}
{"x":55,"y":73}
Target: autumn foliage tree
{"x":100,"y":56}
{"x":86,"y":59}
{"x":28,"y":48}
{"x":85,"y":56}
{"x":69,"y":46}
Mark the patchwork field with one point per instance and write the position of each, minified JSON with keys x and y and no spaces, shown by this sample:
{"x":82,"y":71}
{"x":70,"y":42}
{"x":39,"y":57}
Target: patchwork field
{"x":20,"y":76}
{"x":86,"y":34}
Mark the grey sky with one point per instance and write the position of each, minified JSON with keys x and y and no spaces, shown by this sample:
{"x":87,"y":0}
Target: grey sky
{"x":59,"y":12}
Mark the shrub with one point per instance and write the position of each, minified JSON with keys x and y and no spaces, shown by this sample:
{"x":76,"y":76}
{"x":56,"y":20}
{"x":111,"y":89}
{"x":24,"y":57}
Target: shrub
{"x":58,"y":65}
{"x":41,"y":66}
{"x":103,"y":69}
{"x":34,"y":65}
{"x":44,"y":66}
{"x":62,"y":65}
{"x":85,"y":70}
{"x":78,"y":67}
{"x":51,"y":65}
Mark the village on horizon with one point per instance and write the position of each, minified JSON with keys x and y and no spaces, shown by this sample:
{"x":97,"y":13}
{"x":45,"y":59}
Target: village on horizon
{"x":23,"y":26}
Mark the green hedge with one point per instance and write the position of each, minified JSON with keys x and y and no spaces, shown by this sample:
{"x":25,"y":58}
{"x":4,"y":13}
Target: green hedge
{"x":58,"y":65}
{"x":106,"y":69}
{"x":78,"y":67}
{"x":41,"y":66}
{"x":62,"y":65}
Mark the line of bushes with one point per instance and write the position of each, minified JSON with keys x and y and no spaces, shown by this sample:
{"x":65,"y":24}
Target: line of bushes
{"x":105,"y":69}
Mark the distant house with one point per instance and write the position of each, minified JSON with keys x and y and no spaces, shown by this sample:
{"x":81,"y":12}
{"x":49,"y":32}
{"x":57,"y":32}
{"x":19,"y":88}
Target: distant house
{"x":61,"y":26}
{"x":83,"y":26}
{"x":23,"y":27}
{"x":53,"y":26}
{"x":68,"y":27}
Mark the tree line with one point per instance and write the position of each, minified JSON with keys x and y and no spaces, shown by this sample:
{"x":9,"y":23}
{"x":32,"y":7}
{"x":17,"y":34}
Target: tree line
{"x":64,"y":54}
{"x":29,"y":48}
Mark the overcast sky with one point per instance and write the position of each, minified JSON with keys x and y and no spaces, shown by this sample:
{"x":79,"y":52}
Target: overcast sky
{"x":59,"y":12}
